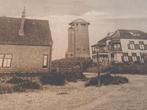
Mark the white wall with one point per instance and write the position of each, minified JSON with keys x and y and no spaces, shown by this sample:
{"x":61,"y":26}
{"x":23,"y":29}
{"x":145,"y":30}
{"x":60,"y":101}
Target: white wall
{"x":124,"y":45}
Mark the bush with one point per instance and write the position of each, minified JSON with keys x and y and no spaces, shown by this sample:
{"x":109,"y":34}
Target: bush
{"x":27,"y":85}
{"x":53,"y":79}
{"x":73,"y":76}
{"x":21,"y":84}
{"x":16,"y":80}
{"x":129,"y":68}
{"x":107,"y":79}
{"x":6,"y":88}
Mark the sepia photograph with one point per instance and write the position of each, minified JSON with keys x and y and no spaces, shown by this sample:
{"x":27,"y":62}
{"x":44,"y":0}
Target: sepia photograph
{"x":73,"y":55}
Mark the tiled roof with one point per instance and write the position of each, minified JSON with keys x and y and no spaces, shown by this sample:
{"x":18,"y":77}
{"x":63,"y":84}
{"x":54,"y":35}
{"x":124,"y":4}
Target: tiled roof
{"x":36,"y":32}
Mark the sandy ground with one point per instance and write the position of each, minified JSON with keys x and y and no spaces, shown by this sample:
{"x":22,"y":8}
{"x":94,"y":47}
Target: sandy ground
{"x":74,"y":96}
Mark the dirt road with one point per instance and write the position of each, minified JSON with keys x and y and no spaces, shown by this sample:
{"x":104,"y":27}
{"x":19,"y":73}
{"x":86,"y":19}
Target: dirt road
{"x":74,"y":96}
{"x":132,"y":96}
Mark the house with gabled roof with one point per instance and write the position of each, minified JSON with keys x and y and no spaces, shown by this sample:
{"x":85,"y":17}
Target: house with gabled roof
{"x":121,"y":46}
{"x":25,"y":45}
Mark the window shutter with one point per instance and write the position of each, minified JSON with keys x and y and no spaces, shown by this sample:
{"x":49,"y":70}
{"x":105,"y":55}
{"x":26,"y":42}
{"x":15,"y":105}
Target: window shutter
{"x":129,"y":46}
{"x":145,"y":47}
{"x":137,"y":46}
{"x":1,"y":60}
{"x":122,"y":57}
{"x":138,"y":59}
{"x":130,"y":58}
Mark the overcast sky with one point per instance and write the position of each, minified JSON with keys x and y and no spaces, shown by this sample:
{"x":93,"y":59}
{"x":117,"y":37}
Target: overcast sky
{"x":104,"y":15}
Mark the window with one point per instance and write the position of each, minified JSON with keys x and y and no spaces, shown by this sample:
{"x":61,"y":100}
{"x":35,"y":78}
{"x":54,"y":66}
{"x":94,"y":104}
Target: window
{"x":134,"y":57}
{"x":101,"y":59}
{"x":131,"y":45}
{"x":78,"y":49}
{"x":93,"y":49}
{"x":141,"y":45}
{"x":1,"y":60}
{"x":116,"y":46}
{"x":126,"y":59}
{"x":134,"y":34}
{"x":83,"y":24}
{"x":7,"y":60}
{"x":45,"y":61}
{"x":84,"y":49}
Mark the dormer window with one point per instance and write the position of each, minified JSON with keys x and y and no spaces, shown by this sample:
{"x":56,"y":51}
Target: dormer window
{"x":134,"y":34}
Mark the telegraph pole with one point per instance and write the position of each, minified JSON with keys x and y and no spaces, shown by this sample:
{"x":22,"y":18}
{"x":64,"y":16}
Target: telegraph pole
{"x":98,"y":71}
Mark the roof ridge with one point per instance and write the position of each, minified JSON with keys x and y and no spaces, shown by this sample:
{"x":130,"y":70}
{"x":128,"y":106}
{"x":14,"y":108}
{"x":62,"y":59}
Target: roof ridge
{"x":6,"y":17}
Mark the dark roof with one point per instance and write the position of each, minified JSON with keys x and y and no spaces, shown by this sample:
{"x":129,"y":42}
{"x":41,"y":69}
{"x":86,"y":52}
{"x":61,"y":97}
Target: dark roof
{"x":104,"y":40}
{"x":129,"y":34}
{"x":36,"y":32}
{"x":122,"y":34}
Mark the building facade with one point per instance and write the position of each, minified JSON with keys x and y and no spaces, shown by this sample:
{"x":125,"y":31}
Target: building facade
{"x":78,"y":39}
{"x":121,"y":46}
{"x":25,"y":45}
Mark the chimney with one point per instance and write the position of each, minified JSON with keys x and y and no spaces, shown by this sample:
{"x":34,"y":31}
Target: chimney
{"x":21,"y":29}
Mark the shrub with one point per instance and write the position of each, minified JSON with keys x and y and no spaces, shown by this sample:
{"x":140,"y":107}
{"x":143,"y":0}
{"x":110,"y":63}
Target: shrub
{"x":20,"y":87}
{"x":6,"y":88}
{"x":129,"y":68}
{"x":24,"y":84}
{"x":16,"y":80}
{"x":53,"y":79}
{"x":107,"y":79}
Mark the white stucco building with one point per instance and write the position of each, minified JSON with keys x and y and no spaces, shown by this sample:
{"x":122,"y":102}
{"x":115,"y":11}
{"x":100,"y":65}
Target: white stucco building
{"x":78,"y":39}
{"x":121,"y":46}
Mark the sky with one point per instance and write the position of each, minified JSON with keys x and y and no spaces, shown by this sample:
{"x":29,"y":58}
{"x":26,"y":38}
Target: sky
{"x":104,"y":16}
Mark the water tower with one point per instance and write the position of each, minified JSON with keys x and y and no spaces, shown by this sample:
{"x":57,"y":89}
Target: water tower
{"x":78,"y":39}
